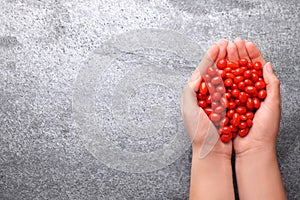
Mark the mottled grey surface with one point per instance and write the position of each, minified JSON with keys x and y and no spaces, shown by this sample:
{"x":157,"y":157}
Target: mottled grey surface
{"x":46,"y":45}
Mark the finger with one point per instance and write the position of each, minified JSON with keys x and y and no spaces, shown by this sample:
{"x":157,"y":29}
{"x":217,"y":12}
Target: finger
{"x":188,"y":104}
{"x":213,"y":52}
{"x":240,"y":44}
{"x":272,"y":86}
{"x":223,"y":49}
{"x":195,"y":80}
{"x":193,"y":85}
{"x":232,"y":52}
{"x":254,"y":53}
{"x":209,"y":58}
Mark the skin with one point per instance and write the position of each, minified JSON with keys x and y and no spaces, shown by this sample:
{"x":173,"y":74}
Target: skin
{"x":257,"y":171}
{"x":214,"y":171}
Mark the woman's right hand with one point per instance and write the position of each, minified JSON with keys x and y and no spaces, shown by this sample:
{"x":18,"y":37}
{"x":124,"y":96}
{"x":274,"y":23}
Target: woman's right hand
{"x":263,"y":133}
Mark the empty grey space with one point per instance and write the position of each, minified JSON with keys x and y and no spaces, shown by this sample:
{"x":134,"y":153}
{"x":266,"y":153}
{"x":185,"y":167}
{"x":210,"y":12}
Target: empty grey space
{"x":76,"y":74}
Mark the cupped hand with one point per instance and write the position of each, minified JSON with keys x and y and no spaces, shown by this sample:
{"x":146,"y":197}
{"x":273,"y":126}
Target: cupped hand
{"x":263,"y":133}
{"x":199,"y":127}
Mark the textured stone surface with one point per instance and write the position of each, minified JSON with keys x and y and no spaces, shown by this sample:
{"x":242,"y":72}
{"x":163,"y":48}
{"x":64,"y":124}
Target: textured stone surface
{"x":45,"y":47}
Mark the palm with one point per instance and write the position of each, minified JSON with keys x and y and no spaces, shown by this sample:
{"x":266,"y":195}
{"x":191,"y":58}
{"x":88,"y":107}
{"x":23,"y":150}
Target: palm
{"x":216,"y":52}
{"x":266,"y":116}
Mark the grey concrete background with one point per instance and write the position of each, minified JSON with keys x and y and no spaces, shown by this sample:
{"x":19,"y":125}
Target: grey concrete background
{"x":45,"y":44}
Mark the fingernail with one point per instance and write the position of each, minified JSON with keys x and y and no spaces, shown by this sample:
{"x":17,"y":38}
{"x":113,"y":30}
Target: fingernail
{"x":195,"y":75}
{"x":269,"y":67}
{"x":238,"y":38}
{"x":211,"y":47}
{"x":223,"y":41}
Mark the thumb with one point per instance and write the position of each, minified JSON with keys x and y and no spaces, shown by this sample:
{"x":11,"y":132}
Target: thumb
{"x":273,"y":86}
{"x":189,"y":97}
{"x":195,"y":80}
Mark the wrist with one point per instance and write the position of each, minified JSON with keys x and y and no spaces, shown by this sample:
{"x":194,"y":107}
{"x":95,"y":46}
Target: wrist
{"x":258,"y":175}
{"x":212,"y":171}
{"x":256,"y":153}
{"x":218,"y":152}
{"x":256,"y":159}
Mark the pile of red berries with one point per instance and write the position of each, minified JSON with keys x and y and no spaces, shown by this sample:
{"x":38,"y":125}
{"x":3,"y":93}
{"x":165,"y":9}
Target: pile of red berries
{"x":230,"y":95}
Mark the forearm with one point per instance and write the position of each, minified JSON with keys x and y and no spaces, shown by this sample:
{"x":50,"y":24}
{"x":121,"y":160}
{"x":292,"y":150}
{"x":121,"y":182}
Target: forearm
{"x":211,"y":178}
{"x":258,"y":176}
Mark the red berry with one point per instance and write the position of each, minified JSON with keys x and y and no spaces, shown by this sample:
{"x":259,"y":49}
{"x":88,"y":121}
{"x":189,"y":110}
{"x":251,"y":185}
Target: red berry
{"x":221,"y":73}
{"x":211,"y":88}
{"x":250,"y":89}
{"x":249,"y":122}
{"x":222,"y":63}
{"x":226,"y":138}
{"x":201,"y":96}
{"x":249,"y":103}
{"x":241,"y":110}
{"x":248,"y":82}
{"x":227,"y":95}
{"x":230,"y":113}
{"x":260,"y":85}
{"x":235,"y":93}
{"x":216,"y":96}
{"x":247,"y":74}
{"x":214,"y":104}
{"x":224,"y":102}
{"x":241,"y":85}
{"x":211,"y":71}
{"x":208,"y":111}
{"x":202,"y":104}
{"x":254,"y":77}
{"x":243,"y":132}
{"x":214,"y":117}
{"x":229,"y":75}
{"x":220,"y":89}
{"x":243,"y":97}
{"x":219,"y":109}
{"x":216,"y":80}
{"x":231,"y":105}
{"x":208,"y":99}
{"x":238,"y":72}
{"x":203,"y":88}
{"x":234,"y":86}
{"x":207,"y":78}
{"x":232,"y":65}
{"x":227,"y":70}
{"x":238,"y":102}
{"x":257,"y":65}
{"x":243,"y":117}
{"x":250,"y":115}
{"x":262,"y":94}
{"x":243,"y":61}
{"x":224,"y":121}
{"x":226,"y":130}
{"x":242,"y":125}
{"x":228,"y":82}
{"x":250,"y":65}
{"x":235,"y":119}
{"x":260,"y":73}
{"x":256,"y":103}
{"x":238,"y":79}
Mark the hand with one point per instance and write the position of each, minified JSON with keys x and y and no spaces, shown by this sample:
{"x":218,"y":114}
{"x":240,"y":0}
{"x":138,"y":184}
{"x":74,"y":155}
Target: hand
{"x":263,"y":133}
{"x":196,"y":121}
{"x":211,"y":160}
{"x":257,"y":170}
